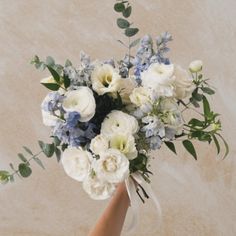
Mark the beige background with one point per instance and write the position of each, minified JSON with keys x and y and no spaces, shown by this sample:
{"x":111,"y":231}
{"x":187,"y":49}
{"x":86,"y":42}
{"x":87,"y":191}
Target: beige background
{"x":200,"y":199}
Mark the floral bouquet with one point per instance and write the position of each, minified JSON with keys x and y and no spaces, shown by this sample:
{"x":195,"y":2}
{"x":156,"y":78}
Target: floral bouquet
{"x":106,"y":116}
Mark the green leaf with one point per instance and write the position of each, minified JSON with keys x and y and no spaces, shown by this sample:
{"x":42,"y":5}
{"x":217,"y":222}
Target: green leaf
{"x":190,"y":148}
{"x":48,"y":149}
{"x":127,"y":12}
{"x":171,"y":146}
{"x":226,"y":145}
{"x":55,"y":75}
{"x":134,"y":43}
{"x":51,"y":86}
{"x":216,"y":143}
{"x":196,"y":95}
{"x":50,"y":61}
{"x":24,"y":170}
{"x":68,"y":63}
{"x":39,"y":162}
{"x":22,"y":157}
{"x":56,"y":141}
{"x":122,"y":23}
{"x":58,"y":154}
{"x":129,"y":32}
{"x":206,"y":107}
{"x":66,"y":81}
{"x":119,"y":7}
{"x":196,"y":122}
{"x":28,"y":150}
{"x":208,"y":90}
{"x":194,"y":102}
{"x":4,"y":176}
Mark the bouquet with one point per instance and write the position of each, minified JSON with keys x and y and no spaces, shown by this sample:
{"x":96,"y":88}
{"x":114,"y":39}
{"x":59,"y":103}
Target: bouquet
{"x":106,"y":116}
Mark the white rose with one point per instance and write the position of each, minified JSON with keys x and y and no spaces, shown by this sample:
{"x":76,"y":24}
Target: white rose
{"x":113,"y":166}
{"x":99,"y":144}
{"x":125,"y":143}
{"x":159,"y":77}
{"x":76,"y":163}
{"x":97,"y":189}
{"x":105,"y":79}
{"x":195,"y":66}
{"x":118,"y":121}
{"x":141,"y":96}
{"x":82,"y":101}
{"x":183,"y":84}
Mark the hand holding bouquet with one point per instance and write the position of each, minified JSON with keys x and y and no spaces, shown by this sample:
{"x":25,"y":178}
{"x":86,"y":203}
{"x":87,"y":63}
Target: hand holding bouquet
{"x":106,"y":116}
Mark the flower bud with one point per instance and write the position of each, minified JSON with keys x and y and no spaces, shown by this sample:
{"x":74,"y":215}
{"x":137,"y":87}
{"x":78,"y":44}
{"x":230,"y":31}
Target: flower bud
{"x":195,"y":66}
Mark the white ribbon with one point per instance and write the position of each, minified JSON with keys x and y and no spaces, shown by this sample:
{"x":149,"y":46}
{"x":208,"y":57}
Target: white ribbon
{"x":135,"y":201}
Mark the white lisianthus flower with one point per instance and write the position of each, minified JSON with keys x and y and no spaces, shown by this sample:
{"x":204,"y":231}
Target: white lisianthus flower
{"x":99,"y":144}
{"x":119,"y":122}
{"x":183,"y":84}
{"x":195,"y":66}
{"x":76,"y":163}
{"x":105,"y":79}
{"x":82,"y":101}
{"x":126,"y":86}
{"x":113,"y":166}
{"x":141,"y":96}
{"x":173,"y":117}
{"x":97,"y":189}
{"x":159,"y":77}
{"x":125,"y":143}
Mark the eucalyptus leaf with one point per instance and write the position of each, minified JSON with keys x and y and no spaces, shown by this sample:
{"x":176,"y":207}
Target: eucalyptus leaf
{"x":122,"y":23}
{"x":119,"y":7}
{"x":28,"y":150}
{"x":58,"y":154}
{"x":25,"y":170}
{"x":68,"y":63}
{"x":22,"y":157}
{"x":50,"y":61}
{"x":134,"y":43}
{"x":39,"y":162}
{"x":190,"y":148}
{"x":127,"y":12}
{"x":130,"y":32}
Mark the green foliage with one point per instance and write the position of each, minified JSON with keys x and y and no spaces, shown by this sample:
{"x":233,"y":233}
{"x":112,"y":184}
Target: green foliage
{"x":119,"y":7}
{"x":130,"y":32}
{"x":47,"y":148}
{"x":24,"y":169}
{"x":190,"y":148}
{"x":127,"y":12}
{"x":171,"y":146}
{"x":122,"y":23}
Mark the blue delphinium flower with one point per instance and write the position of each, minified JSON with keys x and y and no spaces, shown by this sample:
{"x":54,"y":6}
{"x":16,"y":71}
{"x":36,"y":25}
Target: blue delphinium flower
{"x":72,"y":119}
{"x":146,"y":55}
{"x":53,"y":102}
{"x":73,"y":132}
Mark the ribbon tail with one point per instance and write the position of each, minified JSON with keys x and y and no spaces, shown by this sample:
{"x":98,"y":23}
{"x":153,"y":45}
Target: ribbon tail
{"x":134,"y":203}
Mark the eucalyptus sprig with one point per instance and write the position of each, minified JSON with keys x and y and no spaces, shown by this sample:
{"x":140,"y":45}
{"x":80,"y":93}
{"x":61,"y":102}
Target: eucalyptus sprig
{"x":24,"y":167}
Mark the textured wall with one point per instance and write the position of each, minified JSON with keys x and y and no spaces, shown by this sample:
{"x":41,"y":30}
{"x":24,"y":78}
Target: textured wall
{"x":200,"y":200}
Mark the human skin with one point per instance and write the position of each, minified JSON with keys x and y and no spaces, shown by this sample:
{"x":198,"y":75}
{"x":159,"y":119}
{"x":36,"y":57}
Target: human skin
{"x":112,"y":219}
